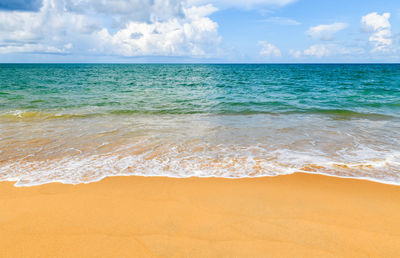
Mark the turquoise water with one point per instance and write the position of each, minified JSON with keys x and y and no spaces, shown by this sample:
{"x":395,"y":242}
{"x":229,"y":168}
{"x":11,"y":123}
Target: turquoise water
{"x":76,"y":123}
{"x":212,"y":89}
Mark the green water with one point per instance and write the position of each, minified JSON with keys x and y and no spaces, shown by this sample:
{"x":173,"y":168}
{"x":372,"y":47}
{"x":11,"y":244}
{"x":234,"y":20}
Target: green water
{"x":186,"y":89}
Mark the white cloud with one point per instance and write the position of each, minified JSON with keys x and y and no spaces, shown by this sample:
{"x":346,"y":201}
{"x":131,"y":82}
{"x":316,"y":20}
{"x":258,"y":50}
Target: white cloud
{"x":128,"y":28}
{"x":122,"y":27}
{"x":247,"y":4}
{"x":319,"y":51}
{"x":194,"y":35}
{"x":45,"y":31}
{"x":379,"y":28}
{"x":126,"y":10}
{"x":269,"y":50}
{"x":325,"y":31}
{"x":281,"y":21}
{"x":336,"y":50}
{"x":38,"y":48}
{"x":325,"y":50}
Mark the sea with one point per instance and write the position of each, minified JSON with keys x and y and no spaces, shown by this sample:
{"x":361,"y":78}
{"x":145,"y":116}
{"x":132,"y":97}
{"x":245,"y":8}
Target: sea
{"x":80,"y":123}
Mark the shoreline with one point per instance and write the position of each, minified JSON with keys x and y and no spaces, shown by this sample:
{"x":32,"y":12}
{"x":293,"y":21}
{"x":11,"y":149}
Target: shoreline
{"x":300,"y":214}
{"x":367,"y":179}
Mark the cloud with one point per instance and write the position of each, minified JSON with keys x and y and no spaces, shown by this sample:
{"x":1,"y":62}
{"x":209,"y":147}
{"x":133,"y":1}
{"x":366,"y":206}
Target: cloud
{"x":318,"y":51}
{"x":325,"y":31}
{"x":35,"y":48}
{"x":269,"y":50}
{"x":379,"y":28}
{"x":163,"y":28}
{"x":45,"y":31}
{"x":20,"y":5}
{"x":327,"y":50}
{"x":281,"y":21}
{"x":194,"y":35}
{"x":248,"y":4}
{"x":126,"y":10}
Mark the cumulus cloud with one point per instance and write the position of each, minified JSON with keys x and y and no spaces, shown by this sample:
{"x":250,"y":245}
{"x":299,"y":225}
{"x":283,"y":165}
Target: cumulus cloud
{"x":48,"y":30}
{"x":128,"y":28}
{"x":380,"y":37}
{"x":379,"y":28}
{"x":194,"y":35}
{"x":269,"y":50}
{"x":325,"y":31}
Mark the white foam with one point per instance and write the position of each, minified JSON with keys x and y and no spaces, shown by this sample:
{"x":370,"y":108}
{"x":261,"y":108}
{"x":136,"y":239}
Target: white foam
{"x":222,"y":162}
{"x":200,"y":146}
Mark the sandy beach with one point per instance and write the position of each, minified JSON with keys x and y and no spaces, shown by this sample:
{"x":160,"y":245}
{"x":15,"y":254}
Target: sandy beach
{"x":294,"y":215}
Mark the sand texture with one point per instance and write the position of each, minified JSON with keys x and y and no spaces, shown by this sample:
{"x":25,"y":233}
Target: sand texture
{"x":297,"y":215}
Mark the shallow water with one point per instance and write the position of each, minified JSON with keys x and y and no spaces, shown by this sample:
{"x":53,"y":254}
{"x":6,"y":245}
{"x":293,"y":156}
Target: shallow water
{"x":81,"y":123}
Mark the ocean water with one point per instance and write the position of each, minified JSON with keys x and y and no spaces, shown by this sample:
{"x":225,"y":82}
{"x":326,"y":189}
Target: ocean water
{"x":79,"y":123}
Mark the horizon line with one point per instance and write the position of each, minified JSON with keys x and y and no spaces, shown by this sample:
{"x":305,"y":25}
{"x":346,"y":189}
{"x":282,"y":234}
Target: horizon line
{"x":205,"y":63}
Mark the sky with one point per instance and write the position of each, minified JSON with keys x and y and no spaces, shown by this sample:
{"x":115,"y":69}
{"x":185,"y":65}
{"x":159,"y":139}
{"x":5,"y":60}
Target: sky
{"x":200,"y":31}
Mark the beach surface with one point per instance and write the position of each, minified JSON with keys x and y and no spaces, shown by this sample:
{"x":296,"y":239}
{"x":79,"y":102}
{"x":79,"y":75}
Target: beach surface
{"x":294,"y":215}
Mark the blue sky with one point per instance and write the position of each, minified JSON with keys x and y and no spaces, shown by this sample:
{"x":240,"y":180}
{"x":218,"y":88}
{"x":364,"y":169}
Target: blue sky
{"x":261,"y":31}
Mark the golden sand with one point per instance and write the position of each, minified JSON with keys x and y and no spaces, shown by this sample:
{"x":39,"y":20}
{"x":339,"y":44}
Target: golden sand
{"x":295,"y":215}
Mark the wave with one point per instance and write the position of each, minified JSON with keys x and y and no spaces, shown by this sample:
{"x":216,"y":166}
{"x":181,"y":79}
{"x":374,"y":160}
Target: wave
{"x":176,"y":161}
{"x":344,"y":113}
{"x":38,"y":115}
{"x":20,"y":115}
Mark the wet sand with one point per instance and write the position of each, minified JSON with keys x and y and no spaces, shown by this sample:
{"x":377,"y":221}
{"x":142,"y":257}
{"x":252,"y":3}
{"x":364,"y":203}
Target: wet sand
{"x":294,"y":215}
